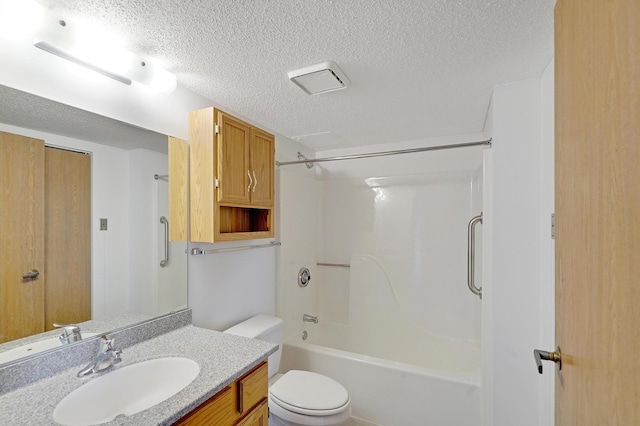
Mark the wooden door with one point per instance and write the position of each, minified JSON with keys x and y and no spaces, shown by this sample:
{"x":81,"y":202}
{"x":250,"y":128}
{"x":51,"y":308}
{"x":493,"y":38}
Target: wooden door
{"x":598,"y":211}
{"x":67,"y":237}
{"x":233,"y":168}
{"x":21,"y":236}
{"x":262,"y":168}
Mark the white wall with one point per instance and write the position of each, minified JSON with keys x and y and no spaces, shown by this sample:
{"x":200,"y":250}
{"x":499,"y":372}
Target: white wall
{"x":521,"y":255}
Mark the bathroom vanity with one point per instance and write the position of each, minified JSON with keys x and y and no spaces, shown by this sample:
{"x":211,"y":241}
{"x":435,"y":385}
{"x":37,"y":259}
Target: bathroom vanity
{"x":230,"y":388}
{"x":243,"y":403}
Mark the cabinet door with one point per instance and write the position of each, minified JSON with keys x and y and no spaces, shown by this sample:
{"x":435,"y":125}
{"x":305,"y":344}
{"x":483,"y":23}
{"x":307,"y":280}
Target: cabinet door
{"x":233,"y":168}
{"x":217,"y":410}
{"x":262,"y":168}
{"x":22,"y":236}
{"x":258,"y":417}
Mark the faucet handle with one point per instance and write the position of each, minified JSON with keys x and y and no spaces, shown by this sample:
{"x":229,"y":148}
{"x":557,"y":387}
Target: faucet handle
{"x":70,"y":332}
{"x":106,"y":344}
{"x":115,"y":353}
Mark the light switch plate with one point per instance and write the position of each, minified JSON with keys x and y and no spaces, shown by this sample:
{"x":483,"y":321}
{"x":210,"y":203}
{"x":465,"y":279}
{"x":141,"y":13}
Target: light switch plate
{"x":103,"y":224}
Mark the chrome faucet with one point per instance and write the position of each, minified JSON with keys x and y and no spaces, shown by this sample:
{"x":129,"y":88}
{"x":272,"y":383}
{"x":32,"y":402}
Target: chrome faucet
{"x":70,"y":333}
{"x":106,"y":358}
{"x":309,"y":318}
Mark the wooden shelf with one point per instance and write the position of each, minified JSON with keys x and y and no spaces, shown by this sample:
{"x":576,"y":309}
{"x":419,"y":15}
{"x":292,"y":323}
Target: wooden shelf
{"x":242,"y":219}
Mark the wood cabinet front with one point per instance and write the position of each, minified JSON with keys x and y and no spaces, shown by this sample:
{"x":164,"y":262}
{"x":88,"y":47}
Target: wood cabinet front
{"x":243,"y":403}
{"x":231,"y":184}
{"x":233,"y":168}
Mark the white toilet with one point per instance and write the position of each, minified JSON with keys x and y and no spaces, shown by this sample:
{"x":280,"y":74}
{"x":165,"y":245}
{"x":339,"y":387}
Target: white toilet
{"x":296,"y":398}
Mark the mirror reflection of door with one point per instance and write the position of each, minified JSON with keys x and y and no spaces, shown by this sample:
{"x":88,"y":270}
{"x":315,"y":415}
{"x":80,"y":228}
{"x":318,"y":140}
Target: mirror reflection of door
{"x":21,"y":236}
{"x":45,"y":214}
{"x":67,"y":227}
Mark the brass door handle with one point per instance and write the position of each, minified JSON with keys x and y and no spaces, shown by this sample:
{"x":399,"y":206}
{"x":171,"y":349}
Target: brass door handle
{"x":540,"y":356}
{"x":255,"y":181}
{"x":31,"y":274}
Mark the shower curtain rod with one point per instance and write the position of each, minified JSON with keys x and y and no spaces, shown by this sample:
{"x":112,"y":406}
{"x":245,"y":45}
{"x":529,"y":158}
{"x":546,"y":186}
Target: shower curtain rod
{"x":384,"y":153}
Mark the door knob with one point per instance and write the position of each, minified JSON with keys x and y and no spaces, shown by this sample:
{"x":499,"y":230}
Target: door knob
{"x":31,"y":274}
{"x":540,"y":356}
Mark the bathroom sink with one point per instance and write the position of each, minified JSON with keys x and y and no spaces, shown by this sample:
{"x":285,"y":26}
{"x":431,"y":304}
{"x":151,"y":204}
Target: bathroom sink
{"x":34,"y":348}
{"x":125,"y":391}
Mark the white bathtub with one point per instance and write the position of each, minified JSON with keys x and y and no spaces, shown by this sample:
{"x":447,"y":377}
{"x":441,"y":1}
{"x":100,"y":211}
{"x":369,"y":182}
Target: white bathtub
{"x":393,"y":393}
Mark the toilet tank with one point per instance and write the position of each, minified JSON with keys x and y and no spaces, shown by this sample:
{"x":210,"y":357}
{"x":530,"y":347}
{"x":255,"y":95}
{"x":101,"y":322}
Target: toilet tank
{"x":263,"y":327}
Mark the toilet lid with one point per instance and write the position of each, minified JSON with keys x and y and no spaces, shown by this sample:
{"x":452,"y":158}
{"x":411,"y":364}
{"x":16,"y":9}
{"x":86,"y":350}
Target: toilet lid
{"x":307,"y":391}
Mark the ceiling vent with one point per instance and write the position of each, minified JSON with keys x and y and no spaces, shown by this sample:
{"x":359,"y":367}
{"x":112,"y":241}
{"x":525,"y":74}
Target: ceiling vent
{"x":319,"y":78}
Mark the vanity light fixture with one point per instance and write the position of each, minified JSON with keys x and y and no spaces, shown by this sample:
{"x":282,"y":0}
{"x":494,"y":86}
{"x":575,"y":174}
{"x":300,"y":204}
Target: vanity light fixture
{"x":319,"y":78}
{"x":48,"y":47}
{"x":71,"y":42}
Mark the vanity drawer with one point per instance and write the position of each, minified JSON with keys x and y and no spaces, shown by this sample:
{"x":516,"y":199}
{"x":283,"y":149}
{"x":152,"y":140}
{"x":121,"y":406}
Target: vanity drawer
{"x":252,"y":388}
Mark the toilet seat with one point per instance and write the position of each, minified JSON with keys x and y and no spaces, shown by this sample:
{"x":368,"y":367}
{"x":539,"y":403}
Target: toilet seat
{"x":309,"y":394}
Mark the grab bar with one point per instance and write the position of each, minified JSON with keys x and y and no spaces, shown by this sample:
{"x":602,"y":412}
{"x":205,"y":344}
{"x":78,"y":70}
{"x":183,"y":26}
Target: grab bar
{"x":339,"y":265}
{"x":165,"y":222}
{"x":471,"y":255}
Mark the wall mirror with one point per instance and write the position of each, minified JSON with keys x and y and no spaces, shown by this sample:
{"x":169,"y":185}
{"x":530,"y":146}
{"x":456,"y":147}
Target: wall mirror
{"x":134,"y":272}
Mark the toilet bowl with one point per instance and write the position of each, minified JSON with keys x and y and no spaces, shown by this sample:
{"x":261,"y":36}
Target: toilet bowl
{"x":306,"y":398}
{"x":296,"y":398}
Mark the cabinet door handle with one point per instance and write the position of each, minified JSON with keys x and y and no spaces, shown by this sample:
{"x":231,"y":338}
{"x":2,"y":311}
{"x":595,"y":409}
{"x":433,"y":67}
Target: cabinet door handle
{"x":255,"y":181}
{"x":250,"y":181}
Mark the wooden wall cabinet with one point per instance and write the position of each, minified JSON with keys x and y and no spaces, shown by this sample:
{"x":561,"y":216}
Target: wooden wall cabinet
{"x":231,"y":183}
{"x":242,"y":403}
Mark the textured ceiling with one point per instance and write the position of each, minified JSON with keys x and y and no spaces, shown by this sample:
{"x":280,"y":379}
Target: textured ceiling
{"x":33,"y":112}
{"x":418,"y":68}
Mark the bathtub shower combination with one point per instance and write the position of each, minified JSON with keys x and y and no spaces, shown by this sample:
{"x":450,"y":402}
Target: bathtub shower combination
{"x":389,"y":283}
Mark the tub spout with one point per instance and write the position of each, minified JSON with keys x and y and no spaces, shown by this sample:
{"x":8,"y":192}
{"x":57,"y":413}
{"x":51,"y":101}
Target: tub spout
{"x":309,"y":318}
